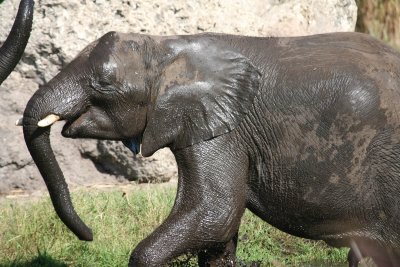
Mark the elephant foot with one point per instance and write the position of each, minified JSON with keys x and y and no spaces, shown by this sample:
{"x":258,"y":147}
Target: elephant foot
{"x":352,"y":258}
{"x":219,"y":257}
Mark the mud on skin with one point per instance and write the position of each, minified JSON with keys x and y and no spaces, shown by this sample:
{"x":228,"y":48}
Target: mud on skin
{"x":303,"y":131}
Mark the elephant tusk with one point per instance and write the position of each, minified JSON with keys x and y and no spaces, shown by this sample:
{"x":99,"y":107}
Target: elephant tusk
{"x":49,"y":120}
{"x":19,"y":122}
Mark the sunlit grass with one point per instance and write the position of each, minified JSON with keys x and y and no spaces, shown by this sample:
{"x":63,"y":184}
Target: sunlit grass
{"x":32,"y":235}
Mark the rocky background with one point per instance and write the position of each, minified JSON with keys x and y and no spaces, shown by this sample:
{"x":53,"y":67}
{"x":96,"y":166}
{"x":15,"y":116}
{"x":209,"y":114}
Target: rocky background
{"x":64,"y":27}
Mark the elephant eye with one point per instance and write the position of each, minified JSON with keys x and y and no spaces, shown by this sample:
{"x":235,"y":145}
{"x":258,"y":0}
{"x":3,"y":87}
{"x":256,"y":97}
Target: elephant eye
{"x":104,"y":83}
{"x":102,"y":86}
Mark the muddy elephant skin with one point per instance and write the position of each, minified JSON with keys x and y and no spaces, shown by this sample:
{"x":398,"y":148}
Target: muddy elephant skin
{"x":303,"y":131}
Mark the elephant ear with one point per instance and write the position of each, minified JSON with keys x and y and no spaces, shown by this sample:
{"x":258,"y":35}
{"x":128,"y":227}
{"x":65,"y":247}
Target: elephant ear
{"x":204,"y":91}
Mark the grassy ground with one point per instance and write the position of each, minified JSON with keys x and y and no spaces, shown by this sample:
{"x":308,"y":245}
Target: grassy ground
{"x":32,"y":235}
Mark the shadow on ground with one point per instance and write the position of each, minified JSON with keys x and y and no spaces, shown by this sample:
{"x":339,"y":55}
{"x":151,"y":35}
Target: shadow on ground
{"x":39,"y":261}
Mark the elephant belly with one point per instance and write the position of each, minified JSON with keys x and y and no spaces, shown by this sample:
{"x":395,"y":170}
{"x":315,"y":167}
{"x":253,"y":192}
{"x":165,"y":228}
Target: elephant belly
{"x":325,"y":156}
{"x":303,"y":217}
{"x":346,"y":192}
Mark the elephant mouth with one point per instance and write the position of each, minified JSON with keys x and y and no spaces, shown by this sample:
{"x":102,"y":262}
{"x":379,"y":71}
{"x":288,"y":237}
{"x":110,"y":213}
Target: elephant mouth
{"x":71,"y":127}
{"x":91,"y":124}
{"x":84,"y":125}
{"x":68,"y":129}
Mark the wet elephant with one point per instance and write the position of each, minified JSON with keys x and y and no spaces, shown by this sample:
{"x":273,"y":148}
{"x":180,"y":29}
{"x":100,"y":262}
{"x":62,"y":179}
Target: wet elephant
{"x":303,"y":131}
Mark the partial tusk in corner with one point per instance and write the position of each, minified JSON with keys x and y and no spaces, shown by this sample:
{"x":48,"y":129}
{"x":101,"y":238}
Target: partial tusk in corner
{"x":19,"y":122}
{"x":49,"y":120}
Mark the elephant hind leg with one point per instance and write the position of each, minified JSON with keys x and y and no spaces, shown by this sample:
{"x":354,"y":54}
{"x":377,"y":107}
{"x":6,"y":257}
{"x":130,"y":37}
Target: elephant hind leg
{"x":381,"y":255}
{"x":352,"y":258}
{"x":223,"y":256}
{"x":386,"y":257}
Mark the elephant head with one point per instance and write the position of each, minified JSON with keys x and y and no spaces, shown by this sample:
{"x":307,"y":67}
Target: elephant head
{"x":12,"y":49}
{"x":154,"y":91}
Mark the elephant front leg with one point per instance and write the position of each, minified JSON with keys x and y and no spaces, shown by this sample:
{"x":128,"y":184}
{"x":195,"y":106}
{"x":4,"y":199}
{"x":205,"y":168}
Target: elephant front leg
{"x":210,"y":202}
{"x":170,"y":241}
{"x":224,"y":256}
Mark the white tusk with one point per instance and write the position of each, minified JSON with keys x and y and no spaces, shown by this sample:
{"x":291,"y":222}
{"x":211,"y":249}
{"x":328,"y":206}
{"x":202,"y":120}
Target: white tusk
{"x":49,"y":120}
{"x":19,"y":122}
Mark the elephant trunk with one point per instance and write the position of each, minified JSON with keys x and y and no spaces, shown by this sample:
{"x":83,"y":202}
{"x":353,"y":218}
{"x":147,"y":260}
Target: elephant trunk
{"x":12,"y":49}
{"x":37,"y":140}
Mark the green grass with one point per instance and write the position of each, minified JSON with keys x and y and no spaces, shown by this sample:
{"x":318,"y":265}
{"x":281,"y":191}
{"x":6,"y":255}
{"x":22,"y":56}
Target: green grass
{"x":32,"y":235}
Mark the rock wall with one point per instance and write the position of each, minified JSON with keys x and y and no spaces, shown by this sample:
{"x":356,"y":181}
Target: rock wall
{"x":63,"y":27}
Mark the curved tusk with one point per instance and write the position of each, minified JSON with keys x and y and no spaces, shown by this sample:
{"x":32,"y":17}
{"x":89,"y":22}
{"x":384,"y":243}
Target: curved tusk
{"x":49,"y":120}
{"x":19,"y":122}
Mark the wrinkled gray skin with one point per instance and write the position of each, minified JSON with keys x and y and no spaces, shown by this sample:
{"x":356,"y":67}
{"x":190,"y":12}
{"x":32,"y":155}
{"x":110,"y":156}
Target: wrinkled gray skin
{"x":303,"y":131}
{"x":14,"y":46}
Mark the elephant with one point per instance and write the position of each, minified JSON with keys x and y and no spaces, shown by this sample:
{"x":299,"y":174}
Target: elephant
{"x":302,"y":131}
{"x":14,"y":46}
